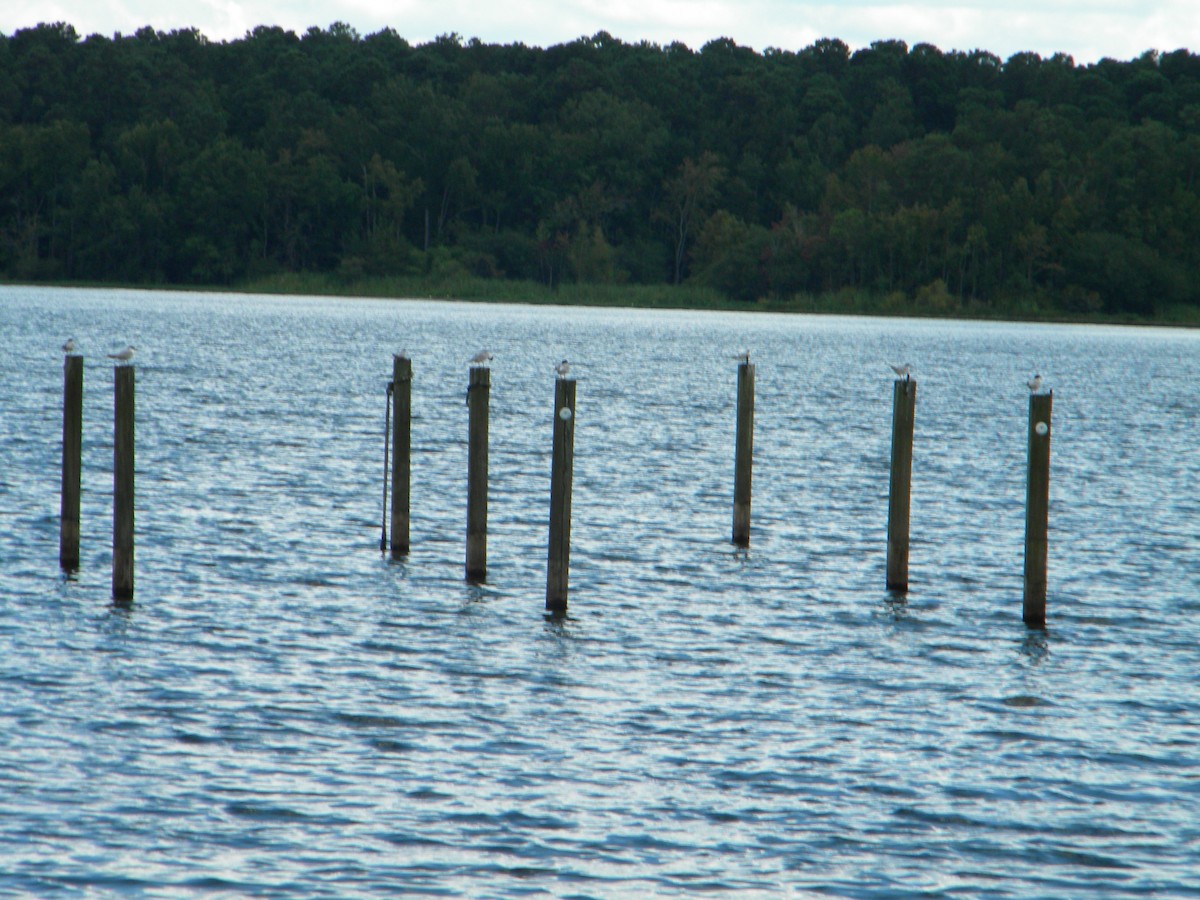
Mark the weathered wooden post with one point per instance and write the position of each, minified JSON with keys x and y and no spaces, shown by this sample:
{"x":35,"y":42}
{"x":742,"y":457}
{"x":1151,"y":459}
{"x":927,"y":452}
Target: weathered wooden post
{"x":123,"y":469}
{"x":478,"y":395}
{"x":68,"y":538}
{"x":904,"y":405}
{"x":743,"y":458}
{"x":1037,"y":509}
{"x":562,"y":466}
{"x":387,"y":447}
{"x":401,"y":451}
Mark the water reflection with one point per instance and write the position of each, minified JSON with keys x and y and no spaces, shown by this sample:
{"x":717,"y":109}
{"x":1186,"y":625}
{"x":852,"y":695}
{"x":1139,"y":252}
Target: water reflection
{"x":559,"y":624}
{"x":475,"y":593}
{"x":397,"y":565}
{"x":896,"y":603}
{"x":1035,"y":646}
{"x":117,"y":622}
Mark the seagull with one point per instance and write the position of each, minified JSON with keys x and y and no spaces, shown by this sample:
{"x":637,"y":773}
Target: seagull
{"x":743,"y":357}
{"x":123,"y":355}
{"x":1035,"y":384}
{"x":563,"y":369}
{"x":482,"y":358}
{"x":904,"y":371}
{"x":69,"y":346}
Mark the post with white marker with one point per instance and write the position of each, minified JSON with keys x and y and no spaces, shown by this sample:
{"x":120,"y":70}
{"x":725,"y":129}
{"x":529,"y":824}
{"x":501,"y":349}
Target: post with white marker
{"x":1037,"y":506}
{"x":478,"y":395}
{"x":561,"y":474}
{"x":401,"y":452}
{"x":123,"y":483}
{"x":904,"y":405}
{"x":72,"y":462}
{"x":743,"y":457}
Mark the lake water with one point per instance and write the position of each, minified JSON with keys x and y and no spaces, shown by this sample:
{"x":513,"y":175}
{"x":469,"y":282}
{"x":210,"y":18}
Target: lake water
{"x":284,"y":712}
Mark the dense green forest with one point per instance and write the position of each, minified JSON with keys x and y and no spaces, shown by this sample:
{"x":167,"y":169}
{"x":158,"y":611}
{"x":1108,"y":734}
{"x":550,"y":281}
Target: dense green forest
{"x":929,"y":181}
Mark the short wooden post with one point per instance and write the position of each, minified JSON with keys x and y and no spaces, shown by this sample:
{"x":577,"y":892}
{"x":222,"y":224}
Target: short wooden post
{"x":123,"y":468}
{"x":72,"y":466}
{"x":1037,"y":510}
{"x":401,"y":451}
{"x":558,"y":563}
{"x":904,"y":405}
{"x":478,"y":394}
{"x":743,"y":457}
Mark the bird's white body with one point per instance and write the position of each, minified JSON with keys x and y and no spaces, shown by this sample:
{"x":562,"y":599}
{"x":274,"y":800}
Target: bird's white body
{"x":1035,"y":384}
{"x":124,"y":355}
{"x":563,"y":369}
{"x":743,"y":357}
{"x":904,"y":371}
{"x":482,"y":358}
{"x":69,"y":346}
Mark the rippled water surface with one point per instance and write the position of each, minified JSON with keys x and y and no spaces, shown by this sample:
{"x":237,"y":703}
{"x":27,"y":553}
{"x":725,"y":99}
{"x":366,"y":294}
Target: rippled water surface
{"x":283,"y":712}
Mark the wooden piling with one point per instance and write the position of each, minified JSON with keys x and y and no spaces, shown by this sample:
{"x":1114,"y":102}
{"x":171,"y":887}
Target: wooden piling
{"x":478,"y":396}
{"x":72,"y":465}
{"x":387,"y":448}
{"x":904,"y":405}
{"x":558,"y":563}
{"x":123,"y":483}
{"x":401,"y":451}
{"x":1037,"y":510}
{"x":743,"y":461}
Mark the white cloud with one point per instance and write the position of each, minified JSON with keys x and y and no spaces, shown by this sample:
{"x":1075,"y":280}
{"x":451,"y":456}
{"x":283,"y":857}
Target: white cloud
{"x":1086,"y":29}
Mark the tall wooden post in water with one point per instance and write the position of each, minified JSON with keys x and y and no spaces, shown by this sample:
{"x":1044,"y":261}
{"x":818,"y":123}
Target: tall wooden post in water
{"x":478,"y":396}
{"x":123,"y":469}
{"x":562,"y":467}
{"x":743,"y":461}
{"x":1037,"y":510}
{"x":401,"y":452}
{"x":72,"y":465}
{"x":904,"y":405}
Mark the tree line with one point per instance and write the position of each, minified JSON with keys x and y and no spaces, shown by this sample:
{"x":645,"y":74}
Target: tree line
{"x":948,"y":181}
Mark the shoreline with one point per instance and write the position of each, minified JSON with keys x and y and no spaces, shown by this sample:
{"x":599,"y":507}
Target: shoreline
{"x":683,"y":298}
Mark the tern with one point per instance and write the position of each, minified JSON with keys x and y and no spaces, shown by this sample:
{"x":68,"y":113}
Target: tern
{"x":743,"y":357}
{"x":563,"y":369}
{"x":904,"y":371}
{"x":69,"y":346}
{"x":124,"y":355}
{"x":482,"y":358}
{"x":1035,"y":384}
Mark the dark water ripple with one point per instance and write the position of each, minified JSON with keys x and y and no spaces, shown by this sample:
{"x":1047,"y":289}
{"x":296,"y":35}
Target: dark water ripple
{"x":282,"y":713}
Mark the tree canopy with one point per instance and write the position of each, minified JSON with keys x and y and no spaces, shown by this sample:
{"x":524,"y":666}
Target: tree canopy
{"x":954,"y":180}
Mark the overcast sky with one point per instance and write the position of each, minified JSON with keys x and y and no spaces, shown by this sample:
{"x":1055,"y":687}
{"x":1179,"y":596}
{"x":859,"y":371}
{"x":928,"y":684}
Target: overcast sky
{"x":1086,"y":29}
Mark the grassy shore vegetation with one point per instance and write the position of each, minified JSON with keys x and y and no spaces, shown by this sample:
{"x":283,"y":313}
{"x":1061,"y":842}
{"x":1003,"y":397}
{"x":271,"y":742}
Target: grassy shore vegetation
{"x":935,"y":303}
{"x":895,"y":180}
{"x":485,"y":290}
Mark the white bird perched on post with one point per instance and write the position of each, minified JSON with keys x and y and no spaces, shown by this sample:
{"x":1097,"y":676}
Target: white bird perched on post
{"x":1035,"y":384}
{"x":69,"y":346}
{"x":482,"y":358}
{"x":563,"y":369}
{"x":904,"y":371}
{"x":123,"y":355}
{"x":743,"y":357}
